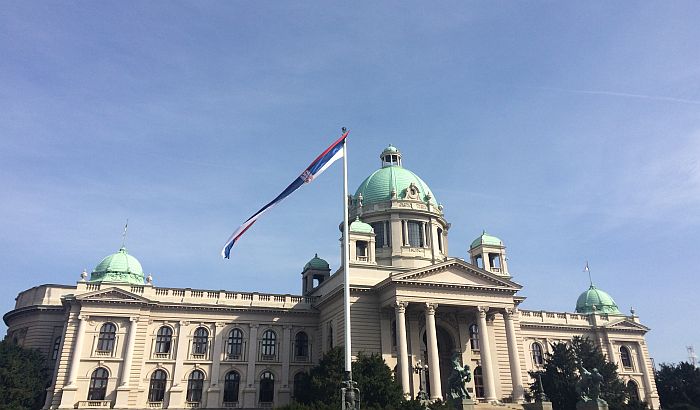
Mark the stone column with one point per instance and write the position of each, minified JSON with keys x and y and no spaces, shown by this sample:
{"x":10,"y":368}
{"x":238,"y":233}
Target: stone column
{"x":433,"y":357}
{"x":649,"y":395}
{"x":69,"y":391}
{"x":128,"y":357}
{"x":514,"y":357}
{"x":249,"y":399}
{"x":77,"y":351}
{"x":402,"y":344}
{"x":486,"y":364}
{"x":286,"y":351}
{"x":611,"y":351}
{"x":177,"y":398}
{"x":213,"y":392}
{"x":406,"y":241}
{"x":123,"y":389}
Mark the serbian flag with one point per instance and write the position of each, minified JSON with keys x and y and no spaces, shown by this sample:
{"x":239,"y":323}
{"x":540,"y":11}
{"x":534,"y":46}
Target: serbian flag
{"x":320,"y":164}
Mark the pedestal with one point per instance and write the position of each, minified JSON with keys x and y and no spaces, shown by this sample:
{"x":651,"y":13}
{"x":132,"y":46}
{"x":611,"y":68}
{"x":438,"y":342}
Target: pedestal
{"x":538,"y":405}
{"x":467,"y":404}
{"x":122,"y":401}
{"x":213,"y":395}
{"x":592,"y":405}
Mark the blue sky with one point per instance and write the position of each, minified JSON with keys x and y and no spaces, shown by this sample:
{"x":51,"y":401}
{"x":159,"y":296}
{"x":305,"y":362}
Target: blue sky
{"x":570,"y":130}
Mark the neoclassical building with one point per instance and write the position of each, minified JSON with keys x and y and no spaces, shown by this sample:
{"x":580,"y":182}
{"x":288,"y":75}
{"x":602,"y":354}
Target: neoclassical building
{"x":114,"y":340}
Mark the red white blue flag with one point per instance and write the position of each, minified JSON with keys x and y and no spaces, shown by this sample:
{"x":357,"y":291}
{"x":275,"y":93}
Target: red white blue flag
{"x":320,"y":164}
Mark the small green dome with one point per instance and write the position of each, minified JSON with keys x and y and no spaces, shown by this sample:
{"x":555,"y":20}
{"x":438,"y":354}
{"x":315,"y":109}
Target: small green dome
{"x":119,"y":267}
{"x":359,"y":226}
{"x":595,"y":300}
{"x":486,"y":239}
{"x":392,"y":177}
{"x":390,"y":150}
{"x":317,"y":263}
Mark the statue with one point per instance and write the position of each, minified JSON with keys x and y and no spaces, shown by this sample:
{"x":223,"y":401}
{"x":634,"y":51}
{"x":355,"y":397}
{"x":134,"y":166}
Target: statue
{"x":588,"y":389}
{"x":458,"y":377}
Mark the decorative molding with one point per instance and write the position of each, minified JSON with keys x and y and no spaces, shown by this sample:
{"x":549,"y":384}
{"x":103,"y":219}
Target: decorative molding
{"x":400,"y":306}
{"x":430,"y":308}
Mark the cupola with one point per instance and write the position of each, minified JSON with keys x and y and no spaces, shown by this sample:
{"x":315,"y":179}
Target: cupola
{"x":489,"y":253}
{"x":119,"y":267}
{"x":391,"y":156}
{"x":315,"y":272}
{"x":595,"y":300}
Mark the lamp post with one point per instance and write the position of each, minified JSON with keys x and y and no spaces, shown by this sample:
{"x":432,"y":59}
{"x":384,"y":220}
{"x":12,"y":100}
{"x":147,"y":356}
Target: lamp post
{"x":420,"y":369}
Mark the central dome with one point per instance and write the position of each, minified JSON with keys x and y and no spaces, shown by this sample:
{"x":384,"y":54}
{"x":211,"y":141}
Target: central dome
{"x":392,"y":179}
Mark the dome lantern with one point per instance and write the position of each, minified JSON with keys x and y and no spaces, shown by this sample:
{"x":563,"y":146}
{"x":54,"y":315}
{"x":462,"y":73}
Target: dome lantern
{"x":391,"y":157}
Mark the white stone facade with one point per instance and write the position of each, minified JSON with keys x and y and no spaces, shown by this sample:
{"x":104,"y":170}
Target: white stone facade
{"x":122,"y":346}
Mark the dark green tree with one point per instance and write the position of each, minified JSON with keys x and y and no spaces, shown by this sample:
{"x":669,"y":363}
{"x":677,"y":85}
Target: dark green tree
{"x":679,"y":386}
{"x":320,"y":388}
{"x":23,"y":377}
{"x":561,"y":372}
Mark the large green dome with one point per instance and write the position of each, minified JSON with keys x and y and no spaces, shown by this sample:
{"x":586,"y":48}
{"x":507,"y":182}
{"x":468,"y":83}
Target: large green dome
{"x":595,"y":300}
{"x":392,"y":177}
{"x":119,"y":267}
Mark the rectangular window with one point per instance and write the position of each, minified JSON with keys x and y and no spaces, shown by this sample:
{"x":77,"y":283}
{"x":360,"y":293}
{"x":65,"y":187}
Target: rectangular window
{"x":439,"y":239}
{"x":415,"y":234}
{"x":379,"y":234}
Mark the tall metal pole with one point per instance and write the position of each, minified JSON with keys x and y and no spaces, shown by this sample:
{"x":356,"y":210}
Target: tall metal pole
{"x":346,"y":263}
{"x":349,"y":392}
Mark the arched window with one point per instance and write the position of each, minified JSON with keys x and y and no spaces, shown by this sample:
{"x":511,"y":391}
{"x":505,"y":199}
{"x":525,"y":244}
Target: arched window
{"x":56,"y":348}
{"x":269,"y":344}
{"x":199,"y":342}
{"x":98,"y":384}
{"x":232,"y":382}
{"x":156,"y":390}
{"x":164,"y":339}
{"x":633,"y":390}
{"x":537,"y":358}
{"x":235,"y":344}
{"x":298,"y":383}
{"x":625,"y":357}
{"x":108,"y":334}
{"x":301,"y":345}
{"x":479,"y":382}
{"x":267,"y":388}
{"x":474,"y":336}
{"x":195,"y":384}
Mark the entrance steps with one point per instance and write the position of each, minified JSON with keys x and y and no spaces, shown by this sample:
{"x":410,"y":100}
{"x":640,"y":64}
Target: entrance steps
{"x":503,"y":406}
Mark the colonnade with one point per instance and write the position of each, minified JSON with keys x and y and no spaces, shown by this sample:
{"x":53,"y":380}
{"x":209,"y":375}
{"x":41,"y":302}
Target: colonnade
{"x":487,"y":365}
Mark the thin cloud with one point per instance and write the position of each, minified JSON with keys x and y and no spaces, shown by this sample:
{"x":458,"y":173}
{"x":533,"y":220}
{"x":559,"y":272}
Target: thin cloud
{"x":619,"y":94}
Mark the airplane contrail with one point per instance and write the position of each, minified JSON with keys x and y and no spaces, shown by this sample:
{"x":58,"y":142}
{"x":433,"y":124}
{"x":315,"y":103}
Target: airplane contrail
{"x":620,"y":94}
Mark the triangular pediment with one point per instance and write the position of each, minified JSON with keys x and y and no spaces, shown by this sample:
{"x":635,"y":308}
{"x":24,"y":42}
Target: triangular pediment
{"x":626,"y":324}
{"x":111,"y":295}
{"x":455,"y":272}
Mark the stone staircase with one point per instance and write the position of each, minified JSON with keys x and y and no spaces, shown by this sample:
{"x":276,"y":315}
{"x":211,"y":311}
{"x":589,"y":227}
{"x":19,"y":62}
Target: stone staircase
{"x":503,"y":406}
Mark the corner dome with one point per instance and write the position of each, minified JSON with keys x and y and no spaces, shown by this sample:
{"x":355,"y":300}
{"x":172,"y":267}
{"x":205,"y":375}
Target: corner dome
{"x":595,"y":300}
{"x":486,"y":239}
{"x":119,"y":267}
{"x":359,"y":226}
{"x":392,"y":181}
{"x":317,"y":263}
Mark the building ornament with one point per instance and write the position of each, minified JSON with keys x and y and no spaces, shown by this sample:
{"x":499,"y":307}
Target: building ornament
{"x":430,"y":308}
{"x":400,"y":306}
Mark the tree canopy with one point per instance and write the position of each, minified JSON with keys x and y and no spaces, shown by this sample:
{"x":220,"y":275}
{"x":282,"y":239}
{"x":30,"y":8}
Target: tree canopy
{"x":320,"y":387}
{"x":561,"y":372}
{"x":679,"y":386}
{"x":23,"y":377}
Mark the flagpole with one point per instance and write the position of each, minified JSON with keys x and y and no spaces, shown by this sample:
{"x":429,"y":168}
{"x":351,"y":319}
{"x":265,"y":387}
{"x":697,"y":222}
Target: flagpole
{"x":346,"y":264}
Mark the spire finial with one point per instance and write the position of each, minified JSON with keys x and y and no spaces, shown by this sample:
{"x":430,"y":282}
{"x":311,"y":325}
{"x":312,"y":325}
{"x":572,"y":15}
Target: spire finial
{"x":587,"y":269}
{"x":126,"y":226}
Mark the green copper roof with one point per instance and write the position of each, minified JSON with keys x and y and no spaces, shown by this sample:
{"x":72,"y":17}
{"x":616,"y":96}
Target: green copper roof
{"x":317,"y":263}
{"x":359,"y":226}
{"x":390,"y":150}
{"x":486,"y":239}
{"x":119,"y":267}
{"x":595,"y":300}
{"x":378,"y":186}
